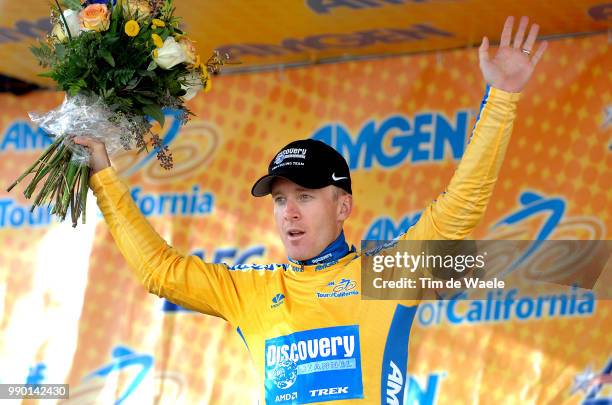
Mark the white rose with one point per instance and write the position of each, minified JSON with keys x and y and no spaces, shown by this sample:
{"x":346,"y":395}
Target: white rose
{"x":170,"y":55}
{"x":74,"y":25}
{"x":193,"y":84}
{"x":74,"y":22}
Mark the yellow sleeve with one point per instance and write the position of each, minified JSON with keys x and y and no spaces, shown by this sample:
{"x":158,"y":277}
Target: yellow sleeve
{"x":457,"y":211}
{"x":184,"y":280}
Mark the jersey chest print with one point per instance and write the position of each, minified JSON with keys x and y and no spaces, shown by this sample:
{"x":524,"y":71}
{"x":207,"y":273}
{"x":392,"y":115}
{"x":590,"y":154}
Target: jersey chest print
{"x":315,"y":365}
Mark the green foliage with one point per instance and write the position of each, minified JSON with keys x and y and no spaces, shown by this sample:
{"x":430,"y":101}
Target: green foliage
{"x":120,"y":70}
{"x":44,"y":53}
{"x":154,"y":111}
{"x":117,"y":67}
{"x":72,"y":4}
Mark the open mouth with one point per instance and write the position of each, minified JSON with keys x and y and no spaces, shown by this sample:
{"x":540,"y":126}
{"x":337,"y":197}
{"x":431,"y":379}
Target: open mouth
{"x":295,"y":233}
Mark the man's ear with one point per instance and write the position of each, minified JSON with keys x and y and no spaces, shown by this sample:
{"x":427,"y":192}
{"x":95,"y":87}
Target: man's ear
{"x":345,"y":206}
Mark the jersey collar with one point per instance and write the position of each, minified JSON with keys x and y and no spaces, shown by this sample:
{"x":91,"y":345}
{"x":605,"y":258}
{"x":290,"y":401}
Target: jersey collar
{"x":332,"y":253}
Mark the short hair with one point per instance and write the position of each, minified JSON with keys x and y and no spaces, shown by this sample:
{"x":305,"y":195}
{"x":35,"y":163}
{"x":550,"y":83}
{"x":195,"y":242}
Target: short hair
{"x":337,"y":192}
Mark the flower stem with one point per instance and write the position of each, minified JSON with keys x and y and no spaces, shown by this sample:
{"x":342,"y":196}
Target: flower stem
{"x":84,"y":190}
{"x":30,"y":169}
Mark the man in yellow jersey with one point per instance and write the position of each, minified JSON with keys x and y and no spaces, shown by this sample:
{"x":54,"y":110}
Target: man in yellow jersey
{"x":312,"y":338}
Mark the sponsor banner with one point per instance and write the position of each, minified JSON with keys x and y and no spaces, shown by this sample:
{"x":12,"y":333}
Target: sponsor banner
{"x":316,"y":365}
{"x":317,"y":30}
{"x":402,"y":123}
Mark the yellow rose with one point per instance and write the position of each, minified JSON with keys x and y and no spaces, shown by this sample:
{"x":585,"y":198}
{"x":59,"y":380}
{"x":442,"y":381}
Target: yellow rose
{"x":208,"y":85}
{"x":206,"y":80}
{"x":197,"y":62}
{"x":158,"y":23}
{"x":95,"y":17}
{"x":157,"y":41}
{"x":132,"y":28}
{"x":189,"y":49}
{"x":59,"y":33}
{"x":136,"y":9}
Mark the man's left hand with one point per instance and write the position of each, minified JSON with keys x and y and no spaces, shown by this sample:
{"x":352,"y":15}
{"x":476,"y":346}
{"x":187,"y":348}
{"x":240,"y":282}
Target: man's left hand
{"x":511,"y":68}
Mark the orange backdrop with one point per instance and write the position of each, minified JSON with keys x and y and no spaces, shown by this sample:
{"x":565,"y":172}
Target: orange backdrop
{"x":71,"y":310}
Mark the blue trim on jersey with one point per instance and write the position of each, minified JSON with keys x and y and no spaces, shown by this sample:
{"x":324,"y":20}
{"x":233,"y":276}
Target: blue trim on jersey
{"x":243,"y":339}
{"x":332,"y":253}
{"x":482,"y":106}
{"x":394,"y":370}
{"x":245,"y":267}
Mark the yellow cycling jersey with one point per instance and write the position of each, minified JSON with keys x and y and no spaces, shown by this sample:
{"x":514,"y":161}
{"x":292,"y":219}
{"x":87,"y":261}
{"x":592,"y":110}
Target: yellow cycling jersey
{"x":311,"y":336}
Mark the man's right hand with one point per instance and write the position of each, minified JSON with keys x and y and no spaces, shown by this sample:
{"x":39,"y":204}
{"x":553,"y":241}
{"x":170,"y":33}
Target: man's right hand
{"x":97,"y":151}
{"x":513,"y":64}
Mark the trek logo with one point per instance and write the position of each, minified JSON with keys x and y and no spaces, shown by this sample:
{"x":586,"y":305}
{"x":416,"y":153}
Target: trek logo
{"x":277,"y":300}
{"x":339,"y":289}
{"x":328,"y":391}
{"x":313,"y":366}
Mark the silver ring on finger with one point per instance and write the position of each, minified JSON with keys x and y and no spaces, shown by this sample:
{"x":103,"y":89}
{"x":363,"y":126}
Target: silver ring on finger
{"x":526,"y":51}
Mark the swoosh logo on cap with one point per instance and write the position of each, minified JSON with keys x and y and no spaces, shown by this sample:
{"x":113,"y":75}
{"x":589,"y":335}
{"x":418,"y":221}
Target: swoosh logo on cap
{"x":334,"y":178}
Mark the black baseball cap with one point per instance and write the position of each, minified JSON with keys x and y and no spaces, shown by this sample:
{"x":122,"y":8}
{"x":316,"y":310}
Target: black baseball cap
{"x":309,"y":163}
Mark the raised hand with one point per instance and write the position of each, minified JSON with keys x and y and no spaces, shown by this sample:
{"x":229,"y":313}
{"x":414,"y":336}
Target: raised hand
{"x":512,"y":66}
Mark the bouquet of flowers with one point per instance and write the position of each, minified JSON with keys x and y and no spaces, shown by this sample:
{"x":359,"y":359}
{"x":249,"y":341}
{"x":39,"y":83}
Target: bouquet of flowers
{"x":119,"y":62}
